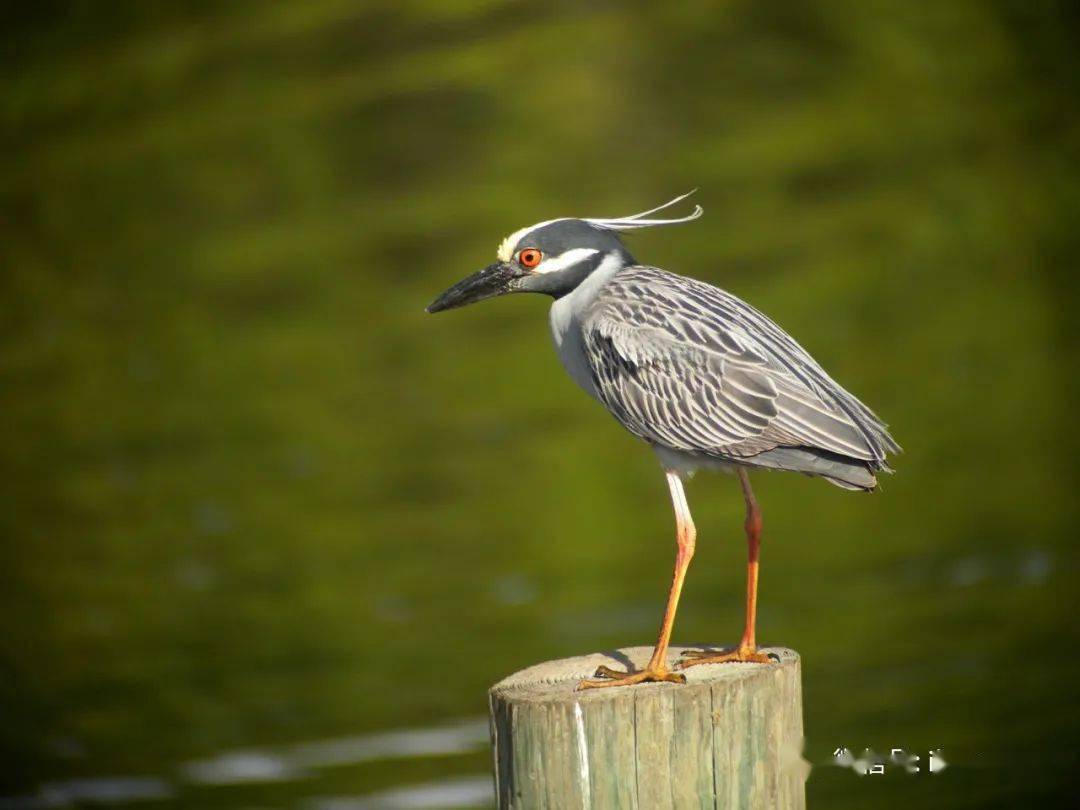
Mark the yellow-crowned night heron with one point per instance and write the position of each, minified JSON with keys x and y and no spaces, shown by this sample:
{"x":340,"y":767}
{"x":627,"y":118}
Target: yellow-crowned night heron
{"x":703,"y":377}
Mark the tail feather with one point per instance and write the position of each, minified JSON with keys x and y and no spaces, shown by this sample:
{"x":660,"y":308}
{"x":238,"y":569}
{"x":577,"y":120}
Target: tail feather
{"x":843,"y":471}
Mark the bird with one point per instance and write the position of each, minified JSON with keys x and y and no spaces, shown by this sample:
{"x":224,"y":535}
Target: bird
{"x":704,"y":378}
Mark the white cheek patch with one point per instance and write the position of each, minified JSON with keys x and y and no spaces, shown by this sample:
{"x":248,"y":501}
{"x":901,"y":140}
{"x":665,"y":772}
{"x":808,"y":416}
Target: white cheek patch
{"x":564,"y":260}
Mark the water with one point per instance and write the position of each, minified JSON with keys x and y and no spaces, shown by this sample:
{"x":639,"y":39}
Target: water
{"x":301,"y":771}
{"x":270,"y":531}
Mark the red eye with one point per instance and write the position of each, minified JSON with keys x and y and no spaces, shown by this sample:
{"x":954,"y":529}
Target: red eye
{"x":530,"y":257}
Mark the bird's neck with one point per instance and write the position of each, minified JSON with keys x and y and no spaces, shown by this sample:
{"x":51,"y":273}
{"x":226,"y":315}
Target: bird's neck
{"x":595,"y":277}
{"x":566,"y":310}
{"x":566,"y":318}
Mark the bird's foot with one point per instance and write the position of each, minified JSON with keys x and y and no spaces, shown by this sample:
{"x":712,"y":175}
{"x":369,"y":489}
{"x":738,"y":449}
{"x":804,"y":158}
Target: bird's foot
{"x":605,"y":676}
{"x":744,"y":653}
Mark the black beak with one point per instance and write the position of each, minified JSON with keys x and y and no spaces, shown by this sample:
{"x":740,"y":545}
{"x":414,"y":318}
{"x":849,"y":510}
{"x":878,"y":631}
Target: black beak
{"x":495,"y":279}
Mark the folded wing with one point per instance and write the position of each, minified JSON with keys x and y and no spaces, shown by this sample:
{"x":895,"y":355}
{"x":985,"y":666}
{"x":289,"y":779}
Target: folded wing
{"x":685,"y":365}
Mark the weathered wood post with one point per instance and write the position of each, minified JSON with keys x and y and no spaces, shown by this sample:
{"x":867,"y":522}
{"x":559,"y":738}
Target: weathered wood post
{"x":731,"y":737}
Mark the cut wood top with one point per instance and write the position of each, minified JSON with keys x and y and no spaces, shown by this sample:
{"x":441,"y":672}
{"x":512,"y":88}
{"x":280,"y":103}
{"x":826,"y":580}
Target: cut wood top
{"x":557,"y":680}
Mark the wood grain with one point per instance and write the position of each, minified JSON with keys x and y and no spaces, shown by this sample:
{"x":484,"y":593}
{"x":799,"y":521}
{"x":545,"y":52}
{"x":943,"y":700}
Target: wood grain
{"x":731,"y":737}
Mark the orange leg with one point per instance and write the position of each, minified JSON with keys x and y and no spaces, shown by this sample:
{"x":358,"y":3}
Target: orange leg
{"x":747,"y":649}
{"x":657,"y":668}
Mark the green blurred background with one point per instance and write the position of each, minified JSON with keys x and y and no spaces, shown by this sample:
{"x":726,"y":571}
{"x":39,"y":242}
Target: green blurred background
{"x":253,"y":497}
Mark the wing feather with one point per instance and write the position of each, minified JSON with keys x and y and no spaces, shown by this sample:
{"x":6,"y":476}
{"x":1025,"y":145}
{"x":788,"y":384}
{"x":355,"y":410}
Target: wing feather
{"x":686,"y":365}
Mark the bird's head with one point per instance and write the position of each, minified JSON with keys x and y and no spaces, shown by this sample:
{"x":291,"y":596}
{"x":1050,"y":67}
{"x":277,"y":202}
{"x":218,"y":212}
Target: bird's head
{"x":553,"y":257}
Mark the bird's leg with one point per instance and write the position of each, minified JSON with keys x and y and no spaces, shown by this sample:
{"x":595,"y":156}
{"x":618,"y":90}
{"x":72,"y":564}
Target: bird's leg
{"x":747,"y":649}
{"x":657,"y":668}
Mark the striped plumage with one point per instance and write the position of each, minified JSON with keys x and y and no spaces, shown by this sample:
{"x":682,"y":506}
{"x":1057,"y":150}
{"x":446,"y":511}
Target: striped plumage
{"x":689,"y":367}
{"x":700,"y":375}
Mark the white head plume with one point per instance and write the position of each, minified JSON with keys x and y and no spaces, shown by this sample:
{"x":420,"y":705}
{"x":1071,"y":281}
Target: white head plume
{"x":635,"y":221}
{"x":630,"y":223}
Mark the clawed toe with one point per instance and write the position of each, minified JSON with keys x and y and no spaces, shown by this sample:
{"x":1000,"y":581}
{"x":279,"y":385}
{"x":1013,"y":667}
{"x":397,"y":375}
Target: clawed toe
{"x":606,"y":676}
{"x":695,"y":654}
{"x":607,"y":672}
{"x":743,"y":655}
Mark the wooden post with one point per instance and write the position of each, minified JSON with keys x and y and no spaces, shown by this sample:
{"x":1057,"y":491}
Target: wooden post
{"x":731,"y":737}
